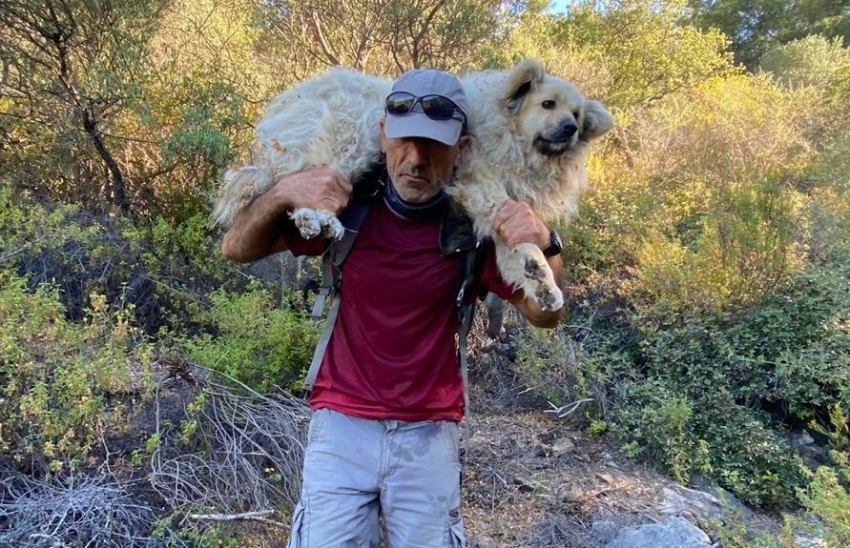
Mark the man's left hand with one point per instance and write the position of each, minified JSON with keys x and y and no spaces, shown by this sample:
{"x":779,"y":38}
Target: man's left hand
{"x":516,"y":223}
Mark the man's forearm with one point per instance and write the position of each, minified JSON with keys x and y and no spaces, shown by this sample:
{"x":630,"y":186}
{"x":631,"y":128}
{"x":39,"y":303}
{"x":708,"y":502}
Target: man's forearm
{"x":255,"y":232}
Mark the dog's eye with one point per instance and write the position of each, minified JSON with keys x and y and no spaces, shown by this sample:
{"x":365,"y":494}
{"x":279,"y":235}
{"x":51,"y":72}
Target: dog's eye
{"x":548,"y":104}
{"x":576,"y":114}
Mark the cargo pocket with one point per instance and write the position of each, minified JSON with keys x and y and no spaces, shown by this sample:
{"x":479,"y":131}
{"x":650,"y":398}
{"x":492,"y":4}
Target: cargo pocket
{"x":457,"y":539}
{"x":295,"y":540}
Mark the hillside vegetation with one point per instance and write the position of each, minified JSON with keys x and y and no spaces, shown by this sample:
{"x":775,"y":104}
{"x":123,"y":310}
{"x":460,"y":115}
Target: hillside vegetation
{"x":709,"y":270}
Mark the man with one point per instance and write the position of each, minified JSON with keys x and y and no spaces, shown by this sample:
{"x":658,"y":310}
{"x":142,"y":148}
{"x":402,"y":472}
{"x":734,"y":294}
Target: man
{"x":384,"y":437}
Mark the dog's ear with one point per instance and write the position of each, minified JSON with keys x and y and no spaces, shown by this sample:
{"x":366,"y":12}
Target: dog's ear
{"x":597,"y":121}
{"x":521,"y":79}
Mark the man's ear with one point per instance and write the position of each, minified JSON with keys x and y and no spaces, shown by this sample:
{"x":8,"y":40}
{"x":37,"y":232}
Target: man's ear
{"x":463,"y":146}
{"x":383,"y":135}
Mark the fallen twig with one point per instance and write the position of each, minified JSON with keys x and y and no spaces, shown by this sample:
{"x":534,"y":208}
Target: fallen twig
{"x":249,"y":516}
{"x":566,"y":410}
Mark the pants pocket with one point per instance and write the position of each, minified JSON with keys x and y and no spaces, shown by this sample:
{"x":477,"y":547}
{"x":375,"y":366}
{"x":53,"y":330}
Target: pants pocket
{"x":317,"y":420}
{"x":458,"y":538}
{"x":295,"y":540}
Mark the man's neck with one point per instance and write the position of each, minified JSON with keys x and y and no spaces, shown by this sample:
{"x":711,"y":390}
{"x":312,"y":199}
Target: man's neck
{"x":427,"y":210}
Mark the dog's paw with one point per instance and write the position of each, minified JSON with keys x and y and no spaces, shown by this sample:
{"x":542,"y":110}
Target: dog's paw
{"x":539,"y":278}
{"x":549,"y":297}
{"x":332,"y":229}
{"x":535,"y":269}
{"x":308,"y":222}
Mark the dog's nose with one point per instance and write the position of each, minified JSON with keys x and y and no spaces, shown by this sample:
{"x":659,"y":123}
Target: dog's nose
{"x":567,"y":130}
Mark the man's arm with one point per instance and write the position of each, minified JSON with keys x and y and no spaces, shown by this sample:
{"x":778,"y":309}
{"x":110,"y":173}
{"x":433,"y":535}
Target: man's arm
{"x":517,"y":223}
{"x":255,"y":232}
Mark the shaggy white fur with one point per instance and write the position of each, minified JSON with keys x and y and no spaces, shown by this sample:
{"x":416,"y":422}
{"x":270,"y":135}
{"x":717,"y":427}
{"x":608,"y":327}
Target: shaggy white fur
{"x":530,"y":138}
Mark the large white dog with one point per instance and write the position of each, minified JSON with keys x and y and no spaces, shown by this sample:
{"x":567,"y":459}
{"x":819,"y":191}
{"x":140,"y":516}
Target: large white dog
{"x":530,"y":138}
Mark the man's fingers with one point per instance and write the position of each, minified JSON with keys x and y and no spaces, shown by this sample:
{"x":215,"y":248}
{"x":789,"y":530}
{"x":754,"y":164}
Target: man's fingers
{"x":517,"y":223}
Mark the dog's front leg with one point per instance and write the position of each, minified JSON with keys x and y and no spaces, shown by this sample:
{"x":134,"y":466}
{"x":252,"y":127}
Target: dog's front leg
{"x":312,"y":222}
{"x":526,"y":267}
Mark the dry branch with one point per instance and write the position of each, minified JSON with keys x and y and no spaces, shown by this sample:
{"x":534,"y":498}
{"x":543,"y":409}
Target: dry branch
{"x":248,"y":516}
{"x":246,"y":452}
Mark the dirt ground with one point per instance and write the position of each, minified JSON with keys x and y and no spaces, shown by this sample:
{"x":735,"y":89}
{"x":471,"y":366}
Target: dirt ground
{"x":534,"y":480}
{"x":530,"y":480}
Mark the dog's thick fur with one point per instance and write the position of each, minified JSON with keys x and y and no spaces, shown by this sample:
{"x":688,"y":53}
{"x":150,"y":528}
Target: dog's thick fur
{"x":530,"y":138}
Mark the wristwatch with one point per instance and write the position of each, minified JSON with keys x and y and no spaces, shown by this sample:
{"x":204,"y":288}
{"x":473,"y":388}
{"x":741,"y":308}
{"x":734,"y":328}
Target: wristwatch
{"x":555,"y":245}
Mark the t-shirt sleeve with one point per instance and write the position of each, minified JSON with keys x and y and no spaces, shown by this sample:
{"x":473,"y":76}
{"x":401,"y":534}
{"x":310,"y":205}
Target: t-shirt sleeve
{"x":490,"y":279}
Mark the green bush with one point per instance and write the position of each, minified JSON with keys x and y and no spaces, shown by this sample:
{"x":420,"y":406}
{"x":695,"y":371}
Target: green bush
{"x":811,"y":61}
{"x":256,"y":342}
{"x":64,"y":384}
{"x":827,"y":496}
{"x":165,"y":270}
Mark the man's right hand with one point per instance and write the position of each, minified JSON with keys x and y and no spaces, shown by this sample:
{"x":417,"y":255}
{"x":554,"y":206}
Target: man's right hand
{"x":255,"y":232}
{"x":319,"y":188}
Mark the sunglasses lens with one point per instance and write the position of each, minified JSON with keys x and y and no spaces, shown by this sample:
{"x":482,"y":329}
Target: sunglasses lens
{"x":400,"y":103}
{"x":438,"y":107}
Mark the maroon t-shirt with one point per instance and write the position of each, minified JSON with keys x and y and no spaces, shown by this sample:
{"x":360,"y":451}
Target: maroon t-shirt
{"x":393,"y":354}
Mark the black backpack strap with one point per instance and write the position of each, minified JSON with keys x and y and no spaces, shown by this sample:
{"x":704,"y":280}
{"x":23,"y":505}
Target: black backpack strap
{"x":471,"y":263}
{"x":457,"y":235}
{"x":352,"y":218}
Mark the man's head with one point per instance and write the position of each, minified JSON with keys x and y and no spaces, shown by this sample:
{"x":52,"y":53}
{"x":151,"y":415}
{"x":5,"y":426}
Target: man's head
{"x":423,"y":132}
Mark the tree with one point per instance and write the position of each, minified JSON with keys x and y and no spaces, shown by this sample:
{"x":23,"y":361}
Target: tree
{"x":810,"y":61}
{"x":69,"y":68}
{"x":755,"y":26}
{"x":649,"y":48}
{"x":384,"y":36}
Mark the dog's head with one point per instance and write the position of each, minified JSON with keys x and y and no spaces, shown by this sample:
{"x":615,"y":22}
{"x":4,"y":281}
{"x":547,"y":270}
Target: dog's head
{"x":551,"y":113}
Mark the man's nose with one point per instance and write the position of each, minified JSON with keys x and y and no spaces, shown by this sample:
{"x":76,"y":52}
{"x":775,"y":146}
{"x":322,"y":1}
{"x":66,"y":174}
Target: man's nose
{"x":418,"y":151}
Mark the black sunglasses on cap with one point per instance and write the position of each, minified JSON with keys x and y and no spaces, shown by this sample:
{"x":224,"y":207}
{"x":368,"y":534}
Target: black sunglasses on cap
{"x":435,"y":107}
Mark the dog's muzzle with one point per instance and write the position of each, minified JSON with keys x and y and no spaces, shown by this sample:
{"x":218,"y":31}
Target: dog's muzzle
{"x":559,"y":140}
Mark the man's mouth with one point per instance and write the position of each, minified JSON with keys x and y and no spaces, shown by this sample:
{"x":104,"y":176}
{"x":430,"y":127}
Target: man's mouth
{"x":416,"y":178}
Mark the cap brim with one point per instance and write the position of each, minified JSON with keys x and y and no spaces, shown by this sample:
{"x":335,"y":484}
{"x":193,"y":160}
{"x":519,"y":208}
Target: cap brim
{"x":418,"y":125}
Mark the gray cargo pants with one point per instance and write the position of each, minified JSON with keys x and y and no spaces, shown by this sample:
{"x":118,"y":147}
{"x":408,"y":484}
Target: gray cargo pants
{"x":357,"y":469}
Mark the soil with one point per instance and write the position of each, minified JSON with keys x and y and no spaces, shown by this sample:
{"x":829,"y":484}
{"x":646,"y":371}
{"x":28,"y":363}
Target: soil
{"x":531,"y":479}
{"x":534,"y":480}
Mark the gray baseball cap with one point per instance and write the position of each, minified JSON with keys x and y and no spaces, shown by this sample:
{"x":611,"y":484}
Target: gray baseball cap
{"x":419,"y":83}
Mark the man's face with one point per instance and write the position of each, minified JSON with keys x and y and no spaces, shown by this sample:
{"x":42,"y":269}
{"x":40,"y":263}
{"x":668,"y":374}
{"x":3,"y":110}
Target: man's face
{"x":419,"y":167}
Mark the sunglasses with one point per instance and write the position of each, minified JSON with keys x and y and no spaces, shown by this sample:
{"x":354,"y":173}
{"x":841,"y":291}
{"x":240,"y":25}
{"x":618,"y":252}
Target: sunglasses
{"x":435,"y":107}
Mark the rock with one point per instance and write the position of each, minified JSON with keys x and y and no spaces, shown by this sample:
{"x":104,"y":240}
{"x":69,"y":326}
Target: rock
{"x":801,"y":439}
{"x":690,"y":503}
{"x":563,"y":446}
{"x":676,"y":531}
{"x":805,"y":541}
{"x":604,"y":531}
{"x":727,"y":502}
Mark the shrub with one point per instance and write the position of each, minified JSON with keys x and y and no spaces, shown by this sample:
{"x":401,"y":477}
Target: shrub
{"x":256,"y":342}
{"x":811,"y":61}
{"x":64,"y":385}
